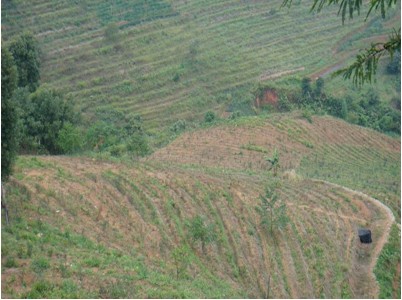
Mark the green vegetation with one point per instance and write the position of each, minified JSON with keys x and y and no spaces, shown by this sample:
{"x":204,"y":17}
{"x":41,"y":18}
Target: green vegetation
{"x":365,"y":66}
{"x":200,"y":231}
{"x":26,"y":52}
{"x":44,"y":114}
{"x":272,"y":210}
{"x":170,"y":109}
{"x":9,"y":116}
{"x":176,"y":62}
{"x":386,"y":270}
{"x":274,"y":161}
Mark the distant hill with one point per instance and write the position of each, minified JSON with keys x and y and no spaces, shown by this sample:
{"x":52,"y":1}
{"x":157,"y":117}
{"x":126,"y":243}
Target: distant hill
{"x":173,"y":60}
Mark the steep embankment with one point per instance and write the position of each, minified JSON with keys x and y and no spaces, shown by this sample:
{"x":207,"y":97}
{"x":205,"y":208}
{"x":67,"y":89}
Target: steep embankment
{"x":101,"y":229}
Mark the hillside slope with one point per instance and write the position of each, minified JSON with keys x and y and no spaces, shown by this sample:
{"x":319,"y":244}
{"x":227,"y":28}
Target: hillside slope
{"x":86,"y":228}
{"x":165,"y":58}
{"x":328,"y":148}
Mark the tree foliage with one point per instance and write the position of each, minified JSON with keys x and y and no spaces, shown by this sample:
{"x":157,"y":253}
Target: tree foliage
{"x":272,"y":210}
{"x":43,"y":115}
{"x":26,"y":52}
{"x":274,"y":161}
{"x":200,"y":231}
{"x":181,"y":258}
{"x":117,"y":133}
{"x":365,"y":65}
{"x":9,"y":115}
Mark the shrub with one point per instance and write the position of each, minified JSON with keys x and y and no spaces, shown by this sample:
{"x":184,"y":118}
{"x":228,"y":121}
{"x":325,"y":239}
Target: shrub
{"x":235,"y":115}
{"x":138,"y":145}
{"x":199,"y":231}
{"x":10,"y":263}
{"x":284,"y":104}
{"x":70,"y":139}
{"x":209,"y":117}
{"x":40,"y":264}
{"x":306,"y":113}
{"x":40,"y":289}
{"x":179,"y":126}
{"x":306,"y":86}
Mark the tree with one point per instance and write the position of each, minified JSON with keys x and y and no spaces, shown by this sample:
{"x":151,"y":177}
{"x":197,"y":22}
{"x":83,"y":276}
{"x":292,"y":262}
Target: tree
{"x":274,"y":161}
{"x":319,"y":87}
{"x":25,"y":51}
{"x":394,"y":67}
{"x":199,"y":231}
{"x":272,"y":210}
{"x":70,"y":139}
{"x":44,"y":114}
{"x":9,"y":115}
{"x":306,"y":87}
{"x":181,"y":258}
{"x":365,"y":65}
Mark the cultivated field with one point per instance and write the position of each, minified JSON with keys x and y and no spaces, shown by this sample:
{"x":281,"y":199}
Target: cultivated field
{"x":87,"y":228}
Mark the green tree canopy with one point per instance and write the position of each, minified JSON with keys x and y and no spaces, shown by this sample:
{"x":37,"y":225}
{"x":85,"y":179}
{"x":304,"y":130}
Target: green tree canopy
{"x":9,"y":116}
{"x":198,"y":230}
{"x":25,"y":50}
{"x":44,"y":114}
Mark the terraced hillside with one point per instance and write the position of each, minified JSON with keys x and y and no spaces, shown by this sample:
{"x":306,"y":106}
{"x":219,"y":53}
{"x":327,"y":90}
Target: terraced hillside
{"x":85,"y":228}
{"x":327,"y":148}
{"x":181,"y":58}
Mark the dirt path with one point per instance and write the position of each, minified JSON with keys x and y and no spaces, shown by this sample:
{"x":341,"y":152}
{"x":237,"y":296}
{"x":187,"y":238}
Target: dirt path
{"x":382,"y":240}
{"x":280,"y":74}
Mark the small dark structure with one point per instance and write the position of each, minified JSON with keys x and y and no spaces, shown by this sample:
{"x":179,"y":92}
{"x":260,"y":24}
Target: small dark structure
{"x":365,"y":236}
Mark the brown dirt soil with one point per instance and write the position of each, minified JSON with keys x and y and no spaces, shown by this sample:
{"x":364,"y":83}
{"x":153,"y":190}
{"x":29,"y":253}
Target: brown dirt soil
{"x":232,"y":146}
{"x":144,"y":206}
{"x":86,"y":198}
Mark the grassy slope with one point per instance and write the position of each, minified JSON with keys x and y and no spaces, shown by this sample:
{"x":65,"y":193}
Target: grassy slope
{"x":94,"y":229}
{"x":216,"y":50}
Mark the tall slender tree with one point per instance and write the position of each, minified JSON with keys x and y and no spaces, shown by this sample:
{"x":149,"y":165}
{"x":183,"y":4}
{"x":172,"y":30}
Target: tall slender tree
{"x":9,"y":117}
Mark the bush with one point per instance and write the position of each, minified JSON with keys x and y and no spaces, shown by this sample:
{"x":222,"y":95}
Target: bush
{"x":284,"y":104}
{"x":138,"y":145}
{"x":40,"y":289}
{"x":179,"y":126}
{"x":209,"y":117}
{"x":70,"y":139}
{"x":10,"y":263}
{"x":235,"y":115}
{"x":306,"y":113}
{"x":40,"y":264}
{"x":198,"y":230}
